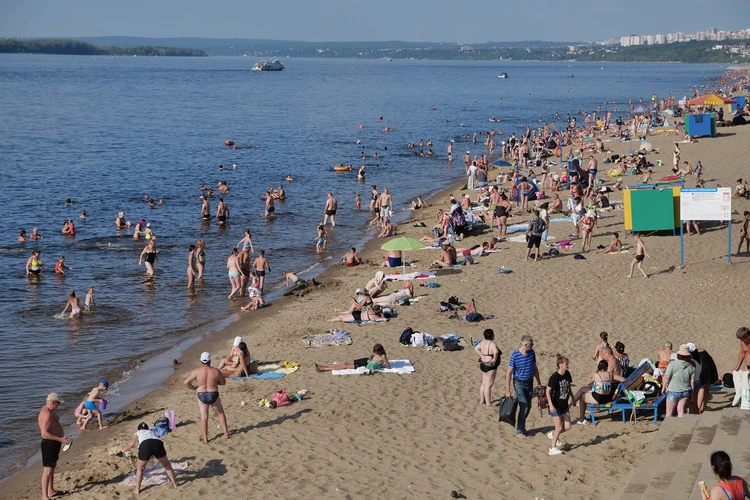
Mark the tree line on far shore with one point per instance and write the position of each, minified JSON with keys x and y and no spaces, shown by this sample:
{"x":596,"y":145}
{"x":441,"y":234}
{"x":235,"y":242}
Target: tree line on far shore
{"x":78,"y":48}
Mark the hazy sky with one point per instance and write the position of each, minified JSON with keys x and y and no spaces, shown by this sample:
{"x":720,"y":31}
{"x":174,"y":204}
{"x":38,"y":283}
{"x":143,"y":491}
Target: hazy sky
{"x":344,"y":20}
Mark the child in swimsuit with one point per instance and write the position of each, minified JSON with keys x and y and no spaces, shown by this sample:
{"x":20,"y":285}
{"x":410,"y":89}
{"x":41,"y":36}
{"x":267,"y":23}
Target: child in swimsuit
{"x":89,"y":300}
{"x":74,"y":304}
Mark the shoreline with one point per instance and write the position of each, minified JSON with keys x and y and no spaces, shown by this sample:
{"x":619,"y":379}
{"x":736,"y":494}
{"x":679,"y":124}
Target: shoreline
{"x":161,"y":364}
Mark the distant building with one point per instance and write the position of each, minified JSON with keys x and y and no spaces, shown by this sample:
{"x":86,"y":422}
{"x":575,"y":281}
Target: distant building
{"x":625,"y":41}
{"x":661,"y":39}
{"x":700,"y":36}
{"x":650,"y":39}
{"x":635,"y":39}
{"x":467,"y":48}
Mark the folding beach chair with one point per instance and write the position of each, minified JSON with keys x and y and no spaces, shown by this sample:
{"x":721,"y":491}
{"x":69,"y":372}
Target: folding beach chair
{"x":620,"y":398}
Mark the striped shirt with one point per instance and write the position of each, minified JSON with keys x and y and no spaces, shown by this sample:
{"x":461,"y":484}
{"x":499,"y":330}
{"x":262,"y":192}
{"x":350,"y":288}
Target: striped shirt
{"x":523,"y":366}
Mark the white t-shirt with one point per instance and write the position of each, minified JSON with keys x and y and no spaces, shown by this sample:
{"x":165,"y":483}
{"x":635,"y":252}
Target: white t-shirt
{"x":472,"y":171}
{"x":145,"y":434}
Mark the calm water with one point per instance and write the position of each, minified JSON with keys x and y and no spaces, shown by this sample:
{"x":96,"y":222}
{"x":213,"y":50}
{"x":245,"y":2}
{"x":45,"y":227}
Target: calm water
{"x":104,"y":132}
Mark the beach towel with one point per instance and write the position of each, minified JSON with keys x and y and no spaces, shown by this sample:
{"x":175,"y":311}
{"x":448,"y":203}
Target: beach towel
{"x":561,"y":219}
{"x":335,"y":337}
{"x":270,"y":371}
{"x":740,"y":384}
{"x":400,"y":366}
{"x":368,"y":321}
{"x":517,"y":228}
{"x":521,"y":238}
{"x":155,"y":475}
{"x":410,"y":276}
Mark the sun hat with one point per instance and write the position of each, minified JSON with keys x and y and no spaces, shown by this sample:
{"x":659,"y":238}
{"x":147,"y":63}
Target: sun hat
{"x":52,"y":396}
{"x":237,"y":341}
{"x":684,"y":350}
{"x":205,"y":357}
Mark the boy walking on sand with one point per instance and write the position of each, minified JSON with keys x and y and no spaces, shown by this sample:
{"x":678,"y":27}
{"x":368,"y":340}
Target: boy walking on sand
{"x":92,"y":404}
{"x":640,"y":254}
{"x":744,"y":238}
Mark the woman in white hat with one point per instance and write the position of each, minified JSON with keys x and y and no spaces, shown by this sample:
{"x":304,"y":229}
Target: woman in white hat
{"x":679,"y":382}
{"x":238,"y":363}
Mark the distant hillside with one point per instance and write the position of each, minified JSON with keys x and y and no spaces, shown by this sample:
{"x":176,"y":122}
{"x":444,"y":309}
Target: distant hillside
{"x":81,"y":48}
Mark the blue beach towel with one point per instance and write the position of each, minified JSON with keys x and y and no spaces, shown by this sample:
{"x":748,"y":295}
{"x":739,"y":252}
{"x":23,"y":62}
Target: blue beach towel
{"x":262,"y":376}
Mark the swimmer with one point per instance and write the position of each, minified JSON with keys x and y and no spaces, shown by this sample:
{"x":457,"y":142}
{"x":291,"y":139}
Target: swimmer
{"x":161,"y":201}
{"x":361,"y":174}
{"x":200,"y":258}
{"x":89,"y":302}
{"x":246,"y":240}
{"x":191,"y":269}
{"x":150,"y":255}
{"x":289,"y":178}
{"x":74,"y":304}
{"x":205,"y":205}
{"x":320,"y":242}
{"x":35,"y":235}
{"x":120,"y":221}
{"x":233,"y":271}
{"x":358,"y":201}
{"x":222,"y":212}
{"x":60,"y":267}
{"x":151,"y":204}
{"x":83,"y":215}
{"x":22,"y":236}
{"x":68,"y":201}
{"x":34,"y":264}
{"x":270,"y":208}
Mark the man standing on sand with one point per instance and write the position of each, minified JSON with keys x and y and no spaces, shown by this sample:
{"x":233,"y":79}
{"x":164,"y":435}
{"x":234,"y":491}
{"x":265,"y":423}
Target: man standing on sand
{"x":743,"y":335}
{"x":53,"y":438}
{"x":522,"y":371}
{"x":386,"y":205}
{"x":260,"y":265}
{"x":330,"y":210}
{"x":208,"y":379}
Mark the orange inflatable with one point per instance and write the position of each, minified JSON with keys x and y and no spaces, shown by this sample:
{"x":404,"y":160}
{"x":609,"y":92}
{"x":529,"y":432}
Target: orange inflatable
{"x":229,"y":143}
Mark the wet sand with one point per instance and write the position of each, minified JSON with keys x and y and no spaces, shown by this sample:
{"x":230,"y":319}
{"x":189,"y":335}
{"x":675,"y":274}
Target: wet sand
{"x":423,"y":435}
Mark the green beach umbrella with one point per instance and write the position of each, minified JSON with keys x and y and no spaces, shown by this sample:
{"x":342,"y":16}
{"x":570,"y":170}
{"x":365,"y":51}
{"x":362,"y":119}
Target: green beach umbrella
{"x":403,"y":244}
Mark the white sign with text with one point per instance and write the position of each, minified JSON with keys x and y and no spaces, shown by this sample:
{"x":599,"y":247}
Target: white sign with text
{"x":706,"y":204}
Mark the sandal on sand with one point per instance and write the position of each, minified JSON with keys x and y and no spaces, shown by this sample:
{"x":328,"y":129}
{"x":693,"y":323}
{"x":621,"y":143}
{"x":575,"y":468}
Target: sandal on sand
{"x":583,"y":422}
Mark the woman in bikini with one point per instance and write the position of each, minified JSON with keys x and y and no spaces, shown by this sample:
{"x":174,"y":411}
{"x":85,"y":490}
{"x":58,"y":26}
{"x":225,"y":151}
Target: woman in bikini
{"x":599,"y":390}
{"x":233,"y":270}
{"x":74,"y":304}
{"x":524,"y":188}
{"x":374,"y":314}
{"x":730,"y":487}
{"x":200,"y":258}
{"x":489,"y":360}
{"x":34,"y":264}
{"x":378,"y":355}
{"x":587,"y":225}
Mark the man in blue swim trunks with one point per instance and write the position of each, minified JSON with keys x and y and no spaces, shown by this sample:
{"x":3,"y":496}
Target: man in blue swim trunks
{"x":92,"y":404}
{"x":208,"y":379}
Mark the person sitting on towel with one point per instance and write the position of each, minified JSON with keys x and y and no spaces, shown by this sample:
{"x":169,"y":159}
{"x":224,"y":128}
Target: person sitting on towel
{"x":378,"y":355}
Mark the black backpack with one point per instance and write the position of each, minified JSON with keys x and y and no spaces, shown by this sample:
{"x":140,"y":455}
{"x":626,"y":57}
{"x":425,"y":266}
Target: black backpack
{"x":405,"y":338}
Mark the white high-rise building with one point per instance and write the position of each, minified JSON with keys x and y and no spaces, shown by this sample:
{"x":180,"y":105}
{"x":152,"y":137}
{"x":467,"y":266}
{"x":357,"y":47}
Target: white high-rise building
{"x":700,"y":36}
{"x":661,"y":39}
{"x":625,"y":41}
{"x":635,"y":39}
{"x":649,"y":39}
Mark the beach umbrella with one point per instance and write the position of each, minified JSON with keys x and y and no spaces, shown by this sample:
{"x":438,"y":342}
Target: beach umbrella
{"x":403,"y":244}
{"x":641,"y":109}
{"x":501,"y":163}
{"x":666,"y":112}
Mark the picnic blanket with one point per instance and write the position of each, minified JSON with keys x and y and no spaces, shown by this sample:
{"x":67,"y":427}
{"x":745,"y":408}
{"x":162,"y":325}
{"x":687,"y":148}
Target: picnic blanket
{"x":154,"y":475}
{"x":410,"y":276}
{"x":270,"y":371}
{"x":516,"y":228}
{"x":400,"y":366}
{"x":335,"y":337}
{"x":561,"y":219}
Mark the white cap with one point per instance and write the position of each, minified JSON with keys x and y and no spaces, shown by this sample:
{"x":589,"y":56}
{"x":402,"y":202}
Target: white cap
{"x":205,"y":357}
{"x":691,"y":346}
{"x":237,"y":341}
{"x":359,"y":290}
{"x":673,"y":356}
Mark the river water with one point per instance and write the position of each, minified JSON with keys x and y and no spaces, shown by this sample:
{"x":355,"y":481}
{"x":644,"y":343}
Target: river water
{"x":104,"y":132}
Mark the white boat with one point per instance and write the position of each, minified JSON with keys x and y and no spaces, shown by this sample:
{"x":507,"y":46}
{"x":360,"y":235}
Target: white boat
{"x":274,"y":65}
{"x":503,"y":75}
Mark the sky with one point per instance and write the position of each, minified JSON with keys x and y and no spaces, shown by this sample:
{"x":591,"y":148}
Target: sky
{"x":369,"y":20}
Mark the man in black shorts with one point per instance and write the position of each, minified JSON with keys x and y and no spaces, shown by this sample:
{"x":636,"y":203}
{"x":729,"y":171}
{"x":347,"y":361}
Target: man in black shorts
{"x":53,"y":438}
{"x":534,"y":235}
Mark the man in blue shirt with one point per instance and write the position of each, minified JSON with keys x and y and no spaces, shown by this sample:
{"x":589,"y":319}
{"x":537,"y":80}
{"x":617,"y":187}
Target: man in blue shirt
{"x":522,"y":370}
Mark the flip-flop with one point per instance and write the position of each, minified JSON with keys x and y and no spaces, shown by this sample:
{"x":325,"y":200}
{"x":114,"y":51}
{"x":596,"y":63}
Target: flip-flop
{"x":67,"y":447}
{"x":60,"y":493}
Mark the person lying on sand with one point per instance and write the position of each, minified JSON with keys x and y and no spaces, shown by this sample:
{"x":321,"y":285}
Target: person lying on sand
{"x":378,"y":354}
{"x":356,"y":316}
{"x":405,"y":293}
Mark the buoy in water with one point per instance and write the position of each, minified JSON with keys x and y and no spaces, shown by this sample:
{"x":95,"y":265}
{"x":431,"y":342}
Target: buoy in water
{"x":229,"y":143}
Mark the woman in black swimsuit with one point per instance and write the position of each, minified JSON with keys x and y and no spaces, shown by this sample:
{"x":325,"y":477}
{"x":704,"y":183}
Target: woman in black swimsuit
{"x":149,"y":253}
{"x":502,"y":211}
{"x":489,"y":360}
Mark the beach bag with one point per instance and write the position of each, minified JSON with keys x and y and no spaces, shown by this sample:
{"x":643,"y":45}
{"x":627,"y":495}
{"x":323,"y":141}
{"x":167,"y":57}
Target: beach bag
{"x":451,"y":345}
{"x":161,"y":427}
{"x":541,"y":398}
{"x":405,"y":338}
{"x":474,"y":317}
{"x":281,"y":399}
{"x":508,"y":408}
{"x":418,"y":339}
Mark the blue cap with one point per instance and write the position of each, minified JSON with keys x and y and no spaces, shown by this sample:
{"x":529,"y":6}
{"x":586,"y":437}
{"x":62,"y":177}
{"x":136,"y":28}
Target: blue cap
{"x":105,"y":383}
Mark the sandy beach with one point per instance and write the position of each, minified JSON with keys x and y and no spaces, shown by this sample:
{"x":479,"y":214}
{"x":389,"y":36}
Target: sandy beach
{"x":423,"y":434}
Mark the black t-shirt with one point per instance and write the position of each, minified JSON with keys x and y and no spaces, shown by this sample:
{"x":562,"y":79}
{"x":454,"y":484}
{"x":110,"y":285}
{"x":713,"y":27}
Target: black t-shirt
{"x":560,"y":389}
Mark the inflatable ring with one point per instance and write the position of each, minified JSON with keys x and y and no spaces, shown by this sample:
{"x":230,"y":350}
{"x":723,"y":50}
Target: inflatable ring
{"x":342,"y":168}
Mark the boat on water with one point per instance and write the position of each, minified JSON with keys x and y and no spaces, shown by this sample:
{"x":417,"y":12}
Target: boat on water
{"x":274,"y":65}
{"x":503,"y":75}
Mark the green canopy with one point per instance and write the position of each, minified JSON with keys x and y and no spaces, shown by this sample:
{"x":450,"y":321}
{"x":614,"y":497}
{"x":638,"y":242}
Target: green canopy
{"x":404,"y":244}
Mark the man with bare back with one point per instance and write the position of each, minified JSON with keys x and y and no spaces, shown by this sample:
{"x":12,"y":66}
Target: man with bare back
{"x":208,"y":379}
{"x":743,"y":334}
{"x":665,"y":356}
